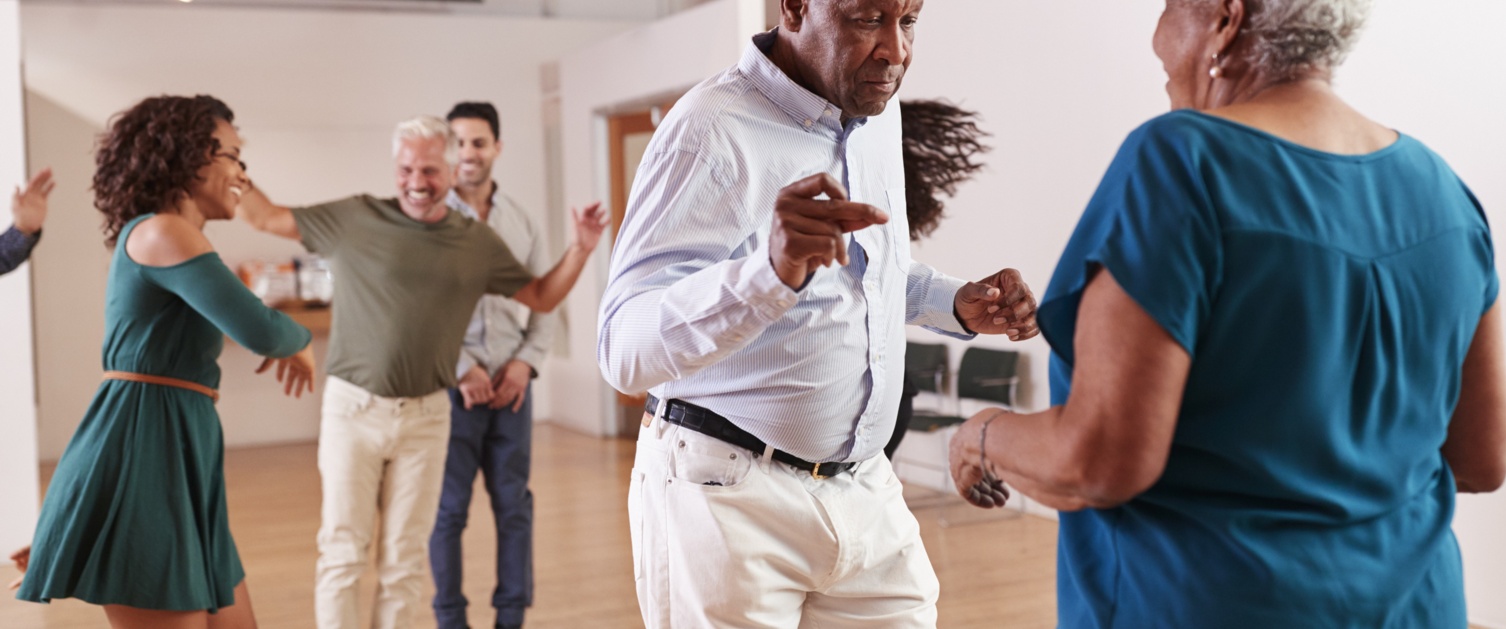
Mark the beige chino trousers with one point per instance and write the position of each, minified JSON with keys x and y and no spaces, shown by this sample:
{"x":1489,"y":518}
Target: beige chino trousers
{"x":380,"y":459}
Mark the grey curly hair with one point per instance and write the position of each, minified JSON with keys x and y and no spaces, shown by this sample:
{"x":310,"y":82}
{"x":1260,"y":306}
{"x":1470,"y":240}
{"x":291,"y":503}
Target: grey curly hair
{"x":1295,"y":38}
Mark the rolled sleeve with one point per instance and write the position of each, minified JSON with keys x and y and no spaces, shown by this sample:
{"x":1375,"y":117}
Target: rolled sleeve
{"x":541,"y":325}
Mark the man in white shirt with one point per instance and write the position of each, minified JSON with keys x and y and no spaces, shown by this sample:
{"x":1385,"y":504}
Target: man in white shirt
{"x":491,"y":417}
{"x":759,"y":290}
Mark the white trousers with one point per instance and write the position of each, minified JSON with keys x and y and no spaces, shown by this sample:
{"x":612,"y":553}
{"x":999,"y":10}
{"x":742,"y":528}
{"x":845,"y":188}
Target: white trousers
{"x":384,"y":458}
{"x":723,"y":537}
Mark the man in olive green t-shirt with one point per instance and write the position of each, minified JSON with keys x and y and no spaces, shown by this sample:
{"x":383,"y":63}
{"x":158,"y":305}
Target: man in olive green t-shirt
{"x":408,"y":274}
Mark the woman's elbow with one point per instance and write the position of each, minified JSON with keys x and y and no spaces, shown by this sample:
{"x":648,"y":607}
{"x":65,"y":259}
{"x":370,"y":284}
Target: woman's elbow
{"x":1109,"y":476}
{"x":1482,"y":477}
{"x":1115,"y":490}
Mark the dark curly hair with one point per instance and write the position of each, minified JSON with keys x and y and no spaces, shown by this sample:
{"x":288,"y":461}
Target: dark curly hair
{"x":150,"y":154}
{"x":941,"y":144}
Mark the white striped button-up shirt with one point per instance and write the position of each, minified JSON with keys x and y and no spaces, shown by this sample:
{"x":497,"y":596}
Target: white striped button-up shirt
{"x":693,"y":308}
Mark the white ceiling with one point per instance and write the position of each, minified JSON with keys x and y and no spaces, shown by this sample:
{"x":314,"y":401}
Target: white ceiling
{"x":567,"y":9}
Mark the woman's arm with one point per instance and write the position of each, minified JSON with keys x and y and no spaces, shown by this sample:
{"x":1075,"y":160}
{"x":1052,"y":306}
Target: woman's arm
{"x":1476,"y":444}
{"x":170,"y":249}
{"x":1110,"y":441}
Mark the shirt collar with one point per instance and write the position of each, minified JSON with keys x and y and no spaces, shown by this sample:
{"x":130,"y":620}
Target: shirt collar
{"x":456,"y":203}
{"x":804,"y":108}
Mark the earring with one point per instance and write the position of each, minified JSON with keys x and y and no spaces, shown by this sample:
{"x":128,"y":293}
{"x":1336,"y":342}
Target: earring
{"x":1217,"y":71}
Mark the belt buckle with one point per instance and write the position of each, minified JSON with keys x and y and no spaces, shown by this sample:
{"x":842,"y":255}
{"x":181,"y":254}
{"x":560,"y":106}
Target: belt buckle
{"x":816,"y":473}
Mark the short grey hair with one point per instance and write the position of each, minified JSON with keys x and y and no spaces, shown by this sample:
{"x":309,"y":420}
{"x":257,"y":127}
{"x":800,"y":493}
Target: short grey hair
{"x":428,"y":128}
{"x":1295,"y":38}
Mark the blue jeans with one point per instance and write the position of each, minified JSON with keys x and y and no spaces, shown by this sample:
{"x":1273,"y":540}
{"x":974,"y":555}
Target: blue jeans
{"x":496,"y":443}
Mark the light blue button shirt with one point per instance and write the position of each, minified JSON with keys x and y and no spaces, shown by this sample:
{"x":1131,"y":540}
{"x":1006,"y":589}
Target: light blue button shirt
{"x":498,"y":332}
{"x":693,"y":309}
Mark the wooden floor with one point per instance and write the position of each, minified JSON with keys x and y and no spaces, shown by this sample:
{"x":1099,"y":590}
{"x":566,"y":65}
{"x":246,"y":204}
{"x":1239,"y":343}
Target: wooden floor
{"x":997,"y":574}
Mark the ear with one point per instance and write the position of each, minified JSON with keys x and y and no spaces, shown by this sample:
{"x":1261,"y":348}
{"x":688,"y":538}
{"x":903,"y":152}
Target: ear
{"x":1228,"y":19}
{"x":792,"y":14}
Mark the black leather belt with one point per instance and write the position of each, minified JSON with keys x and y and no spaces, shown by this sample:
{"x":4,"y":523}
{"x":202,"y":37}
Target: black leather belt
{"x":706,"y":422}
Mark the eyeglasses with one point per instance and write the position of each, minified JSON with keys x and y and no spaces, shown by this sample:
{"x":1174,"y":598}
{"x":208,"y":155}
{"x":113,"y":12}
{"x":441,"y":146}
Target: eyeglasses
{"x":233,"y":158}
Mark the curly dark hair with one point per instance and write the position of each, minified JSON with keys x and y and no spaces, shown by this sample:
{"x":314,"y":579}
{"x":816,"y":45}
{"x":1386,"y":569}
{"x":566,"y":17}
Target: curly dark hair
{"x":150,"y":154}
{"x":941,"y":144}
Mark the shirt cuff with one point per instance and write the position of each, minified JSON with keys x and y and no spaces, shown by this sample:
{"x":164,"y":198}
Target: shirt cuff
{"x":940,"y":311}
{"x":760,"y":287}
{"x":27,"y":240}
{"x":466,"y":362}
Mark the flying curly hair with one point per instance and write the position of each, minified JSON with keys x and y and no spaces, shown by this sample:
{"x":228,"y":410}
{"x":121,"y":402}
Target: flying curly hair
{"x":150,"y":155}
{"x":942,"y":143}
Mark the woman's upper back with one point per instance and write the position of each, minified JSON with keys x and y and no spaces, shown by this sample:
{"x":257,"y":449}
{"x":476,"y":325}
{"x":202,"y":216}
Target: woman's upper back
{"x":1327,"y":301}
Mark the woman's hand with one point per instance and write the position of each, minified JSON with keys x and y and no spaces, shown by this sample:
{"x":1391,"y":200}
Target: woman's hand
{"x":21,"y":558}
{"x":974,"y":477}
{"x":295,"y":372}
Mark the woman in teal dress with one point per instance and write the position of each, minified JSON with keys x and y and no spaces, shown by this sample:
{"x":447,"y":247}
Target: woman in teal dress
{"x":1276,"y":353}
{"x":134,"y":519}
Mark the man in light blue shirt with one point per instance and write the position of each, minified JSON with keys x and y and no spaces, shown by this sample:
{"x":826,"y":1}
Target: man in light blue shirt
{"x":759,"y":290}
{"x":491,"y":416}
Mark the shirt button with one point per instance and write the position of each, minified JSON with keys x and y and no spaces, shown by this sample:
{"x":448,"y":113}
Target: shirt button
{"x":784,"y":303}
{"x":827,"y":112}
{"x":808,"y":123}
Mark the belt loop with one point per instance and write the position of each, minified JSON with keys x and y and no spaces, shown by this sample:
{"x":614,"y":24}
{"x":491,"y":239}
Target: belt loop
{"x":661,"y":411}
{"x":768,"y":453}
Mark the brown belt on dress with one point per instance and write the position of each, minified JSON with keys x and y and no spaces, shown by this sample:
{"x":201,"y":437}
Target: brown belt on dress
{"x":164,"y":381}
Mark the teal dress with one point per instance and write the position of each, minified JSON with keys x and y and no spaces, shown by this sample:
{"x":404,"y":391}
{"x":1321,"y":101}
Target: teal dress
{"x":135,"y":514}
{"x":1327,"y":303}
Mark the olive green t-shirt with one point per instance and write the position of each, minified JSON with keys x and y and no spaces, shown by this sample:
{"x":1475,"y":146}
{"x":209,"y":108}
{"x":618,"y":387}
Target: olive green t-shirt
{"x":404,"y":290}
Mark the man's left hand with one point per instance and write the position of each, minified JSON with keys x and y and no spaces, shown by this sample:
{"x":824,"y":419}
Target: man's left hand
{"x":511,"y":385}
{"x":589,"y":223}
{"x":1000,"y":304}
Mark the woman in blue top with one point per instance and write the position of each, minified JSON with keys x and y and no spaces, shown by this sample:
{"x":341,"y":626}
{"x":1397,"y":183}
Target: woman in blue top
{"x":1276,"y":352}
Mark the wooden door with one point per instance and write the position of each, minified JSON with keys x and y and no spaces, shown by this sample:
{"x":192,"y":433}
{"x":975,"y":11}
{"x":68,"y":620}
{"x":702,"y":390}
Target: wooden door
{"x":628,"y":136}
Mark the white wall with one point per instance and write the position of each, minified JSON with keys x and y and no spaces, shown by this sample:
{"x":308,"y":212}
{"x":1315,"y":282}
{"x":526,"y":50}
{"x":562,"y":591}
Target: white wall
{"x":18,"y":450}
{"x":1061,"y":83}
{"x":1059,"y":86}
{"x":667,"y":56}
{"x":315,"y":95}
